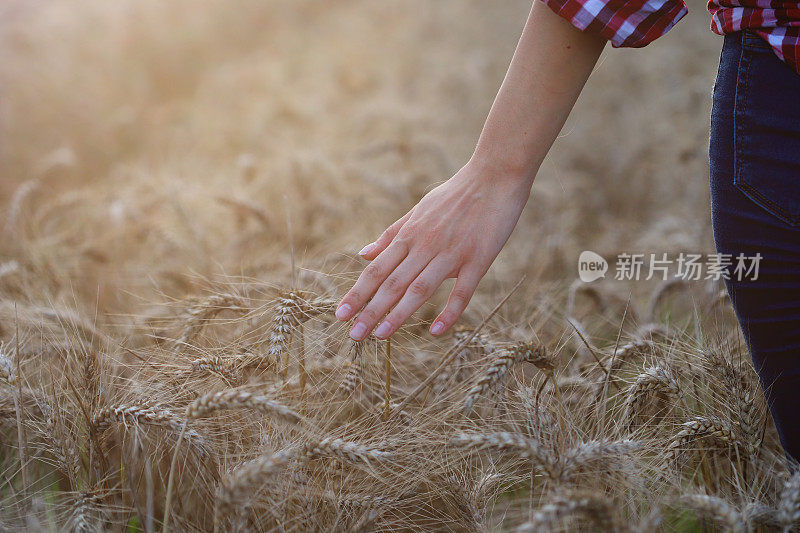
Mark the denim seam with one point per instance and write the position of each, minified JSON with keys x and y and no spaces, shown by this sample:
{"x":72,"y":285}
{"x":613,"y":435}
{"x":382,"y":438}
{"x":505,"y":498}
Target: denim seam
{"x":740,"y":102}
{"x":752,"y":41}
{"x":737,"y":127}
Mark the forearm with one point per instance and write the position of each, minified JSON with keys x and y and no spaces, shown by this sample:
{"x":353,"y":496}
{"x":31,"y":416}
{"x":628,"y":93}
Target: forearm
{"x":550,"y":66}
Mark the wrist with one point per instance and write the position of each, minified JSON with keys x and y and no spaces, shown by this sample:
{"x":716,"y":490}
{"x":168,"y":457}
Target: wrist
{"x":498,"y":166}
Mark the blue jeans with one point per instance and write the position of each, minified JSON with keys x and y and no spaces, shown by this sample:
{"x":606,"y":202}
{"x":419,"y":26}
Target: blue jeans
{"x":755,"y":208}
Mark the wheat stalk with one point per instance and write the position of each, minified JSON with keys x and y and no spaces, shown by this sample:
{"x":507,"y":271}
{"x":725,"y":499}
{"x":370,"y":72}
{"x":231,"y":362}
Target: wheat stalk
{"x":387,"y":378}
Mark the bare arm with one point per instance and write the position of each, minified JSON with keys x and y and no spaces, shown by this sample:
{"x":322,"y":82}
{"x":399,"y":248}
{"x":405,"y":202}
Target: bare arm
{"x":550,"y":66}
{"x":458,"y":228}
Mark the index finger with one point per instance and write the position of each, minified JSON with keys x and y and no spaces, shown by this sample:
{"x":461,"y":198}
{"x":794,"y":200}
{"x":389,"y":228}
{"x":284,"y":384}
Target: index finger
{"x":370,"y":279}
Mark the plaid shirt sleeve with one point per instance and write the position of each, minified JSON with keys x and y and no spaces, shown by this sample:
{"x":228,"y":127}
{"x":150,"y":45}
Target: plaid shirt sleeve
{"x":629,"y":23}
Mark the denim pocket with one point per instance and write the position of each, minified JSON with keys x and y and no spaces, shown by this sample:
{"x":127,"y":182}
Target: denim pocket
{"x":766,"y":133}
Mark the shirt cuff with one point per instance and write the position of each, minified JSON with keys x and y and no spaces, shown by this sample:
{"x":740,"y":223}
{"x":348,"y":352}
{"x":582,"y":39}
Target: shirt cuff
{"x":626,"y":23}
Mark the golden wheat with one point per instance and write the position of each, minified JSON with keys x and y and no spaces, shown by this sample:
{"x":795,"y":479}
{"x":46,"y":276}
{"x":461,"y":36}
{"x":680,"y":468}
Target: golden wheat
{"x":152,"y":289}
{"x":237,"y":399}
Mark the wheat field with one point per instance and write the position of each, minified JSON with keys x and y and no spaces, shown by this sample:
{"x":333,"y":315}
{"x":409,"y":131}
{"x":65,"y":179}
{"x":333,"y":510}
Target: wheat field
{"x":184,"y":189}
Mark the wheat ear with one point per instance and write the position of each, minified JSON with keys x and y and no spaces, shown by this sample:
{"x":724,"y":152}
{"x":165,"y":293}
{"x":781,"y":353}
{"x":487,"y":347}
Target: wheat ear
{"x":789,"y":506}
{"x":83,"y":513}
{"x":346,"y":451}
{"x":235,"y":399}
{"x":200,"y":313}
{"x":292,"y":309}
{"x":509,"y":443}
{"x":480,"y":344}
{"x":751,"y":420}
{"x":503,"y":360}
{"x":700,"y":428}
{"x":142,"y":413}
{"x":716,"y":509}
{"x":217,"y":366}
{"x":589,"y":506}
{"x":452,"y":353}
{"x":597,"y":451}
{"x":8,"y":372}
{"x":237,"y":488}
{"x":354,"y":372}
{"x":656,"y":379}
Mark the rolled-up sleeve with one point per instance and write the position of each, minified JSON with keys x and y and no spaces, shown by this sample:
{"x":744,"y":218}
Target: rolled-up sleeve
{"x":628,"y":23}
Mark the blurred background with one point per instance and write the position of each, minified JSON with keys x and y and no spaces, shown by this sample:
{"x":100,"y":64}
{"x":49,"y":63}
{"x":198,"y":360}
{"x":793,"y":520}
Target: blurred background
{"x":148,"y":149}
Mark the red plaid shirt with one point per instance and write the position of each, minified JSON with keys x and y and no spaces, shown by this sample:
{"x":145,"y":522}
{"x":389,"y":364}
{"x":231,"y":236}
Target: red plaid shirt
{"x":636,"y":23}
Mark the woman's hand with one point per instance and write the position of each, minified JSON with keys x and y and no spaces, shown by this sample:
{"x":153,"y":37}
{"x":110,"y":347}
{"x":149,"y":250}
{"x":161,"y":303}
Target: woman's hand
{"x":458,"y":228}
{"x":455,"y":231}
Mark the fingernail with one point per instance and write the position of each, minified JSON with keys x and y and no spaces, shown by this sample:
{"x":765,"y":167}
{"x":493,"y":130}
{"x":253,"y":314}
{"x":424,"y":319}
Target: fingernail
{"x":383,"y":330}
{"x":358,"y":332}
{"x":437,"y":327}
{"x":343,"y":312}
{"x":367,"y":249}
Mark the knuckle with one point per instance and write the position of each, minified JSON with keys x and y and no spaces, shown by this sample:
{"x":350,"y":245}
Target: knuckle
{"x":393,"y":285}
{"x":410,"y":227}
{"x":387,"y":235}
{"x":403,"y":240}
{"x":429,"y":238}
{"x":373,"y":272}
{"x":420,"y":288}
{"x":408,"y":232}
{"x":451,"y":256}
{"x":461,"y":296}
{"x":354,"y":296}
{"x":394,"y":228}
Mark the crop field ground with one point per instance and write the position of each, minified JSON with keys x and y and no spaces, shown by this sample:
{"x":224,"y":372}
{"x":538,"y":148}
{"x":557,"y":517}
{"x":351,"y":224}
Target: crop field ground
{"x":184,"y":187}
